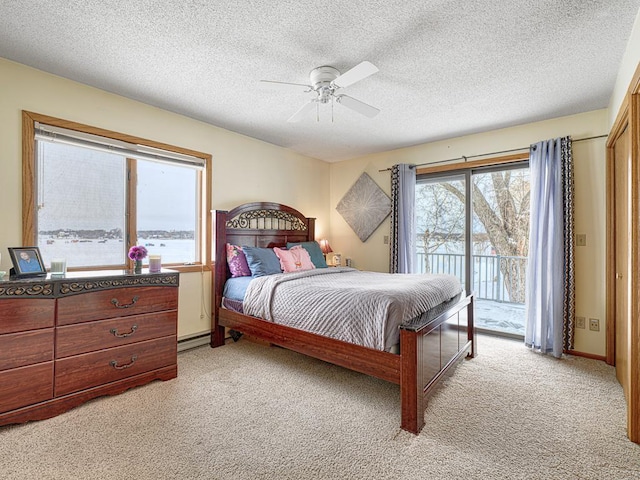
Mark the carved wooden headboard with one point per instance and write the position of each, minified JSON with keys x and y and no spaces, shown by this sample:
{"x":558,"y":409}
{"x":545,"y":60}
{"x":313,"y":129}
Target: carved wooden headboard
{"x":258,"y":224}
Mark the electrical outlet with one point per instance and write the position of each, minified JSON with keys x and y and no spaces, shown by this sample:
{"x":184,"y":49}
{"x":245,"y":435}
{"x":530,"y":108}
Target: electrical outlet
{"x":594,"y":324}
{"x":385,"y":239}
{"x":580,"y":322}
{"x":581,"y":239}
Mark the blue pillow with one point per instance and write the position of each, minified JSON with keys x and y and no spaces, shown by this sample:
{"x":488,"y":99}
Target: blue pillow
{"x":317,"y":257}
{"x":261,"y":261}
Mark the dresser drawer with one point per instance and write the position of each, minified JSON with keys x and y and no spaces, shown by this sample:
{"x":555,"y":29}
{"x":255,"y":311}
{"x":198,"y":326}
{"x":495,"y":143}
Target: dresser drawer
{"x":26,"y":348}
{"x":25,"y":386}
{"x":98,"y":335}
{"x":117,"y":302}
{"x":20,"y":314}
{"x":97,"y":368}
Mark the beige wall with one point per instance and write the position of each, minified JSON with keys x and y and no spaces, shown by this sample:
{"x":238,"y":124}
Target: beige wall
{"x":589,"y":201}
{"x":244,"y":169}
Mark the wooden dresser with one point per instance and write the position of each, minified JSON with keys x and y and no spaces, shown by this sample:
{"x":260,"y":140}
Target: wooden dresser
{"x":64,"y":341}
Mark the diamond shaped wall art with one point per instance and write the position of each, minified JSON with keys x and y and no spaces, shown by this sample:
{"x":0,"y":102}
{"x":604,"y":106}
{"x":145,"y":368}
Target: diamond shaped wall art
{"x":364,"y":206}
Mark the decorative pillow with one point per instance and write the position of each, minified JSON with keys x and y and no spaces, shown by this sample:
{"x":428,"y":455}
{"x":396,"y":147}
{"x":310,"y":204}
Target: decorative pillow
{"x":237,"y":261}
{"x":261,"y":261}
{"x":294,"y":259}
{"x":314,"y":252}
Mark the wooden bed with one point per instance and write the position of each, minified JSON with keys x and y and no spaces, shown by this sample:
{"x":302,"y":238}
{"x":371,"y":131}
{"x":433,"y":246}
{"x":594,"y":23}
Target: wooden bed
{"x":429,"y":345}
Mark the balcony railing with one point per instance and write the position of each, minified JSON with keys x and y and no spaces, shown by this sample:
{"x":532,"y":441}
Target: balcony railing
{"x":489,"y":280}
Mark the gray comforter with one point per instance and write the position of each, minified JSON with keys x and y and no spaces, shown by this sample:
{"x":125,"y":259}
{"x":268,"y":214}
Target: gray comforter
{"x":365,"y":308}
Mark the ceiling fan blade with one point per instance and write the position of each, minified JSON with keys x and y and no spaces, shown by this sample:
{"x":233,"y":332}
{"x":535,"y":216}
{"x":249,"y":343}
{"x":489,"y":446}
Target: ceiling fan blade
{"x":302,"y":112}
{"x":357,"y":73}
{"x":271,"y":84}
{"x":357,"y":106}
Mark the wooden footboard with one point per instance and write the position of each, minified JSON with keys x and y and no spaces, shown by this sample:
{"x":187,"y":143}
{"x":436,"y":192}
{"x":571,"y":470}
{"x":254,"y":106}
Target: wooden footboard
{"x":428,"y":351}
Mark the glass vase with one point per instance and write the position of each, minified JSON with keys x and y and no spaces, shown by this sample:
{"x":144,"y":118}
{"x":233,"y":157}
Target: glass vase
{"x":137,"y":266}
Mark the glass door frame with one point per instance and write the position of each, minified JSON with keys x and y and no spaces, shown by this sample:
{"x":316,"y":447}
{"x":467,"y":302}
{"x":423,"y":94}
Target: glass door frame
{"x":467,"y":171}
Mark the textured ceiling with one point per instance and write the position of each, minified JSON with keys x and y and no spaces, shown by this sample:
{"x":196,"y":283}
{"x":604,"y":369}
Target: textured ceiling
{"x":447,"y":68}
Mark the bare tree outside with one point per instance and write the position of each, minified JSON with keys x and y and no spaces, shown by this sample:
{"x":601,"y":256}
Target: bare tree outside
{"x":441,"y":225}
{"x":500,"y":221}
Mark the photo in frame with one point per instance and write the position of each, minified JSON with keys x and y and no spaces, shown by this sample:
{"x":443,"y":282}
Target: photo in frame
{"x":27,"y":262}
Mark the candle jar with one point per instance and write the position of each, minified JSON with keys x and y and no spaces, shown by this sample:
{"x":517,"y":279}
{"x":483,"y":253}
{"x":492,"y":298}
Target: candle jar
{"x":58,"y":266}
{"x":155,"y":263}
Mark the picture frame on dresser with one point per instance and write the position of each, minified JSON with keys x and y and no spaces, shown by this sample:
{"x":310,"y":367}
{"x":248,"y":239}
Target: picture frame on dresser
{"x":27,"y":262}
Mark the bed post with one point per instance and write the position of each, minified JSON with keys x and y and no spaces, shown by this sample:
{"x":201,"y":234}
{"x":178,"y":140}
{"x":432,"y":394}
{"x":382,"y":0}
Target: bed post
{"x":411,"y":382}
{"x":311,"y":229}
{"x":219,"y":275}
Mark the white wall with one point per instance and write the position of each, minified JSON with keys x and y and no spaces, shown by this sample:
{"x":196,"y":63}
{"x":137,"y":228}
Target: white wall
{"x":589,"y":201}
{"x":244,"y":169}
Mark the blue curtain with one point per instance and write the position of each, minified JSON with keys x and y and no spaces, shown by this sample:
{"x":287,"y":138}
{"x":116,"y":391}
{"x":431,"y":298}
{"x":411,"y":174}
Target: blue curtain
{"x":550,"y":295}
{"x":403,"y":255}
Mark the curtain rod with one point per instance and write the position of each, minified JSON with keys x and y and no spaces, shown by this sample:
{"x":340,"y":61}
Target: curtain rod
{"x":465,"y":158}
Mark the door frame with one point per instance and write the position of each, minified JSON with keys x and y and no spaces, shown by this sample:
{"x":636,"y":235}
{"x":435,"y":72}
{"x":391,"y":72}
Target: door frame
{"x":628,"y":116}
{"x":466,"y":170}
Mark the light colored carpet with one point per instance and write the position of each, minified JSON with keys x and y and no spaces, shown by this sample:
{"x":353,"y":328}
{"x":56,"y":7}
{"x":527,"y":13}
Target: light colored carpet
{"x":246,"y":411}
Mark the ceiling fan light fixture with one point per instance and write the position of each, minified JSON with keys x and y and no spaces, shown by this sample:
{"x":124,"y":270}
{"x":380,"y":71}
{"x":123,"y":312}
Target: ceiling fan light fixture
{"x":325,"y":81}
{"x":323,"y":76}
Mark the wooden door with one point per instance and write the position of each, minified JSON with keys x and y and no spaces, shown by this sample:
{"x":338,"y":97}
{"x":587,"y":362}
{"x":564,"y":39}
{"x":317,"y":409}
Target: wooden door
{"x":623,"y":252}
{"x":622,"y":197}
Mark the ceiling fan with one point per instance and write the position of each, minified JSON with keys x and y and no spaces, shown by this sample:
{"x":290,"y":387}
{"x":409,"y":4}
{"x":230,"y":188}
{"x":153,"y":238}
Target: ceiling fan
{"x":326,"y":81}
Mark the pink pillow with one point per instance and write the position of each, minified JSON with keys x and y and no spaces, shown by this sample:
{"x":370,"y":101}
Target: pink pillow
{"x":294,"y":259}
{"x":237,"y":261}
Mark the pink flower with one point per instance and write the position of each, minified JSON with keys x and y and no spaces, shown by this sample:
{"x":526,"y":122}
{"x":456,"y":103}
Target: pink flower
{"x":137,"y":252}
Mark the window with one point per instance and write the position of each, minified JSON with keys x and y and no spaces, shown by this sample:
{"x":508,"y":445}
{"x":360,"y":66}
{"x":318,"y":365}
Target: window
{"x":90,"y":194}
{"x":168,"y":224}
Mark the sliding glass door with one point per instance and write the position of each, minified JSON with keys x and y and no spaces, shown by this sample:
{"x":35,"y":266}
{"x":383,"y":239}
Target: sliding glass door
{"x":441,"y":225}
{"x":474,"y":224}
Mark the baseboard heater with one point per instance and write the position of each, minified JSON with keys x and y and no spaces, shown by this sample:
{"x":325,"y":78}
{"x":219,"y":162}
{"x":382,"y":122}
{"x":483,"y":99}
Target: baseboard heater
{"x":193,"y":341}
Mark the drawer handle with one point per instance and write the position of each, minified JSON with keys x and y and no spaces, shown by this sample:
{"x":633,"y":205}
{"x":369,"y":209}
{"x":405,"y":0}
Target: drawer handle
{"x":114,"y":332}
{"x":127,"y":305}
{"x":114,"y":363}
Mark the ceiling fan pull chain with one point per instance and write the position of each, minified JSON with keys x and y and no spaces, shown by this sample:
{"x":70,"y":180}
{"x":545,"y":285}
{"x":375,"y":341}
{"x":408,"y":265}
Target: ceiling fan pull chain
{"x":332,"y":102}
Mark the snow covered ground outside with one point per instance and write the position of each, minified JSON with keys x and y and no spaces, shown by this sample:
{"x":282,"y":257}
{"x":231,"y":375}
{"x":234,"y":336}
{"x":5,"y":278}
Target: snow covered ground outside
{"x":500,"y":316}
